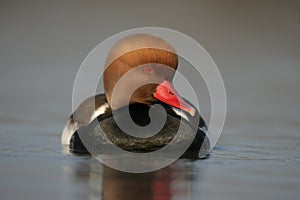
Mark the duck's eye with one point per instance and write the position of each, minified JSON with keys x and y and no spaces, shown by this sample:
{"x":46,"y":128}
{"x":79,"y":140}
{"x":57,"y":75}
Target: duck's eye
{"x":148,"y":69}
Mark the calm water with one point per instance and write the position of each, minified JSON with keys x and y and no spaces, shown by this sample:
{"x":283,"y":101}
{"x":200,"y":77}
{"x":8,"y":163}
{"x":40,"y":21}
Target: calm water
{"x":255,"y":45}
{"x":256,"y":159}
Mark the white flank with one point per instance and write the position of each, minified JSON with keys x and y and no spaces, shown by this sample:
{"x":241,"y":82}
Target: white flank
{"x":180,"y":113}
{"x":68,"y":131}
{"x":71,"y":126}
{"x":99,"y":111}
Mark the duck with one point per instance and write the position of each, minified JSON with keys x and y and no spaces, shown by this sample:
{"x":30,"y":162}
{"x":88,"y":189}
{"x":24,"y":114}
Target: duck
{"x":142,"y":55}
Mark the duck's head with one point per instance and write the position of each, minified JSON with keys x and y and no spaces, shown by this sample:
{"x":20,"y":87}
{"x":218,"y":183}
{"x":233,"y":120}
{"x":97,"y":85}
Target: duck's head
{"x":150,"y":56}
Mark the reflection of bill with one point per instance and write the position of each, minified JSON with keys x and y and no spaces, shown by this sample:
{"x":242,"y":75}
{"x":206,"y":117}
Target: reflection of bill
{"x":148,"y":186}
{"x":139,"y":110}
{"x":100,"y":182}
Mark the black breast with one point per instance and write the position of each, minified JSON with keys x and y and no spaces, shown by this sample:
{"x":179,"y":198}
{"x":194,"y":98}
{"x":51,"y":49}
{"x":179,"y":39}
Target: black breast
{"x":103,"y":132}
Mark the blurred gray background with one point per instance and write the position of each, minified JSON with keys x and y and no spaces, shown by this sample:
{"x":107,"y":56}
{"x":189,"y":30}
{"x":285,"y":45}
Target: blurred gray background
{"x":255,"y":43}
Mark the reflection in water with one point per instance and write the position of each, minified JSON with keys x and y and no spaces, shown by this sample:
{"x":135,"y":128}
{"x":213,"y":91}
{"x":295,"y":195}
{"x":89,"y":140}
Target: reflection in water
{"x":117,"y":185}
{"x":172,"y":182}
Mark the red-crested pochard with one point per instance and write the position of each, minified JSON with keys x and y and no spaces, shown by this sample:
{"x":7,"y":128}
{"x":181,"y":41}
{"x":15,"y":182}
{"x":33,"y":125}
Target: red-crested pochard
{"x":143,"y":52}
